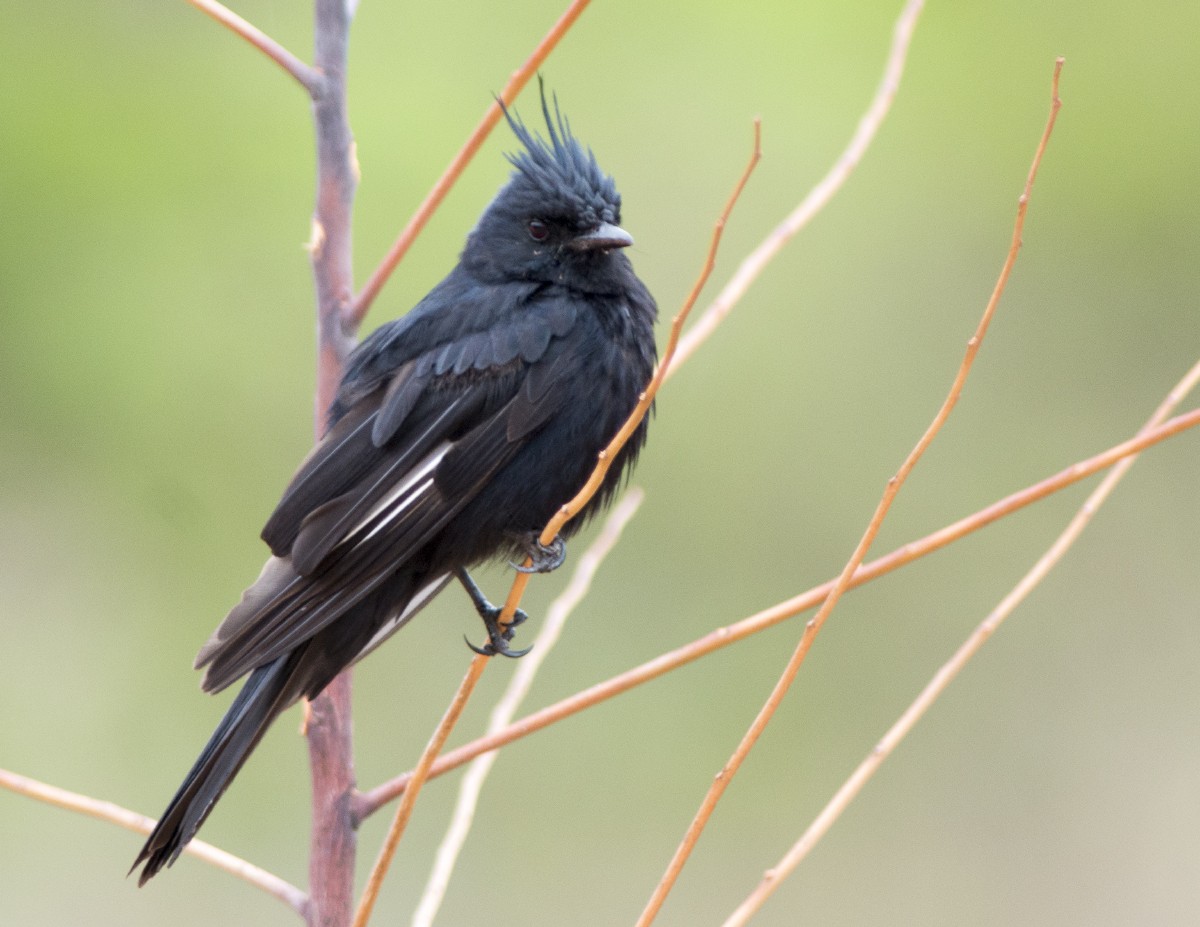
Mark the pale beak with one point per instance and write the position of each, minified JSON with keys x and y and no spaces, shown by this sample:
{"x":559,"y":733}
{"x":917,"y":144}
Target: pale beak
{"x":604,"y":237}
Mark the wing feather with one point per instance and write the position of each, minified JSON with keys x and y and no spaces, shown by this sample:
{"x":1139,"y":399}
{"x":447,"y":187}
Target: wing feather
{"x":328,"y":525}
{"x":342,"y":457}
{"x":398,"y":401}
{"x":401,"y":461}
{"x":306,"y":605}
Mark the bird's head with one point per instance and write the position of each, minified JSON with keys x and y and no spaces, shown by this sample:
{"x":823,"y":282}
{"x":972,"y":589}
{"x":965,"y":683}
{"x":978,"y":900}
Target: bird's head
{"x":558,"y":218}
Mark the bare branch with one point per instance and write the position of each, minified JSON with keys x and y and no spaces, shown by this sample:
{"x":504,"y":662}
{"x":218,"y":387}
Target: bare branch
{"x":329,"y":727}
{"x":307,"y":77}
{"x":274,"y":886}
{"x":820,"y":195}
{"x":357,"y":312}
{"x":522,"y":680}
{"x":333,"y":841}
{"x":813,"y":628}
{"x":942,"y":678}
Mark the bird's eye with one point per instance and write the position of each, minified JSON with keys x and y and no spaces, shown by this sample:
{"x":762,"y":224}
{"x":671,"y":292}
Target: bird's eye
{"x":538,"y":230}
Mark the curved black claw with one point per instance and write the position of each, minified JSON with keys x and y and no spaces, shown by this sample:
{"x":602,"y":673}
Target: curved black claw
{"x":542,"y":558}
{"x":498,"y":639}
{"x":497,"y":645}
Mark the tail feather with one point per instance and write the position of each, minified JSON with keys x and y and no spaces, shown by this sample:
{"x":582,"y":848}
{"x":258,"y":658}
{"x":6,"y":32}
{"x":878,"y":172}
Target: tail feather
{"x":262,"y":699}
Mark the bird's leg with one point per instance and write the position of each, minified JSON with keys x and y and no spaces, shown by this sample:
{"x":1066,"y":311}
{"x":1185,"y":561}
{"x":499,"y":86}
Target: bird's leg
{"x":542,"y":558}
{"x":497,"y":638}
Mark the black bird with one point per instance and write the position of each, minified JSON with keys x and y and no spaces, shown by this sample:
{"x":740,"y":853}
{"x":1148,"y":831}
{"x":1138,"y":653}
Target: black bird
{"x":457,"y":432}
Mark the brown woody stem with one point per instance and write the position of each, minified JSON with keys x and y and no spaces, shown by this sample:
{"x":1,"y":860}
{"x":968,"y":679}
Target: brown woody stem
{"x":329,"y":727}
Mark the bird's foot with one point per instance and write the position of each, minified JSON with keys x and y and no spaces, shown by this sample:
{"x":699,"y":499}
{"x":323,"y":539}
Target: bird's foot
{"x":498,"y":635}
{"x":498,"y":640}
{"x":542,"y":558}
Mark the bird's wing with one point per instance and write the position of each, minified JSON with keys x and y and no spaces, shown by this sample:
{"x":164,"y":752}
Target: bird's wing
{"x":397,"y":466}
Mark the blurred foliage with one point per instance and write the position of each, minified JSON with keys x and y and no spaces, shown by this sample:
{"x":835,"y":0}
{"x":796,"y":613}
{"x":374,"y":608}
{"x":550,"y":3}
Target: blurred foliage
{"x":157,"y":370}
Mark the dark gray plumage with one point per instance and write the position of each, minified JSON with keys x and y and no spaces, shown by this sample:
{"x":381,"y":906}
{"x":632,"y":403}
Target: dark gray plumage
{"x":456,"y":434}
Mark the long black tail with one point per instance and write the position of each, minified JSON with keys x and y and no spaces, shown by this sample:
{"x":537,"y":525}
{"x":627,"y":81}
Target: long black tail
{"x":264,"y":696}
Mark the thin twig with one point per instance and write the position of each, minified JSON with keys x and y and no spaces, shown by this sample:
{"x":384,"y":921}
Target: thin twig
{"x":306,"y":76}
{"x":767,"y":712}
{"x":274,"y":886}
{"x":369,"y":802}
{"x":820,"y":195}
{"x":357,"y":311}
{"x":937,"y":685}
{"x":404,"y":810}
{"x":522,"y":680}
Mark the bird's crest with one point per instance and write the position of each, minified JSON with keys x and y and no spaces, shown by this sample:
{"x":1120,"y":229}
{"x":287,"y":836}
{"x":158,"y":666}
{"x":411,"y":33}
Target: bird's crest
{"x":564,"y":174}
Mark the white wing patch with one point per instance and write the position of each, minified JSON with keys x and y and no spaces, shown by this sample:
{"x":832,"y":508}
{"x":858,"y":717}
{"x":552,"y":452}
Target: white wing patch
{"x":416,"y":483}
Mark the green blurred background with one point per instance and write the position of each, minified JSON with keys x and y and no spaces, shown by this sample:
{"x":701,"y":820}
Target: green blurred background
{"x":157,"y":366}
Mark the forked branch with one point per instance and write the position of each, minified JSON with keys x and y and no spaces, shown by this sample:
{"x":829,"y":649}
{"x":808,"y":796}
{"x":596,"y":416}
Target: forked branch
{"x":306,"y":76}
